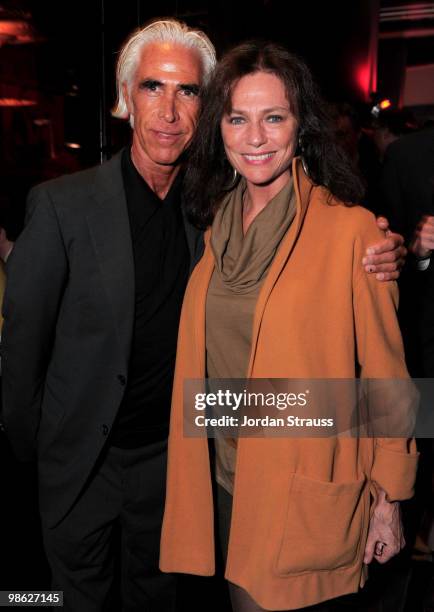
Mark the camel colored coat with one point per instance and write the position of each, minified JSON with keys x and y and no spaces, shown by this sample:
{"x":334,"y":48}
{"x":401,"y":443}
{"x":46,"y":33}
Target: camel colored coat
{"x":301,"y":506}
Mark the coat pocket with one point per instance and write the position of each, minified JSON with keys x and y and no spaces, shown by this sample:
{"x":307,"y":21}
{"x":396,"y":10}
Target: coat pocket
{"x":324,"y":525}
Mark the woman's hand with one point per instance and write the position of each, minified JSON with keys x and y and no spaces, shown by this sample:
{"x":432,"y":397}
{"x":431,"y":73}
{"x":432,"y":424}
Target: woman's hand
{"x":387,"y":257}
{"x":385,"y":536}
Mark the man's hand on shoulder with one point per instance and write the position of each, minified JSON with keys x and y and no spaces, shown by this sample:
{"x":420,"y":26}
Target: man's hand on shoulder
{"x":385,"y":258}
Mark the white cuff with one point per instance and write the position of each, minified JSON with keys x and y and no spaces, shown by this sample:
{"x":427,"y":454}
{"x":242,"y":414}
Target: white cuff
{"x":423,"y":264}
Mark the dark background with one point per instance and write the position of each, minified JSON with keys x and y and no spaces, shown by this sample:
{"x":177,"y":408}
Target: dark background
{"x":66,"y":71}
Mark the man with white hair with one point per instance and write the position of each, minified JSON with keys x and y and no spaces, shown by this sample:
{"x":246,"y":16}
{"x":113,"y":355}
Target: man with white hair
{"x":95,"y":290}
{"x":95,"y":285}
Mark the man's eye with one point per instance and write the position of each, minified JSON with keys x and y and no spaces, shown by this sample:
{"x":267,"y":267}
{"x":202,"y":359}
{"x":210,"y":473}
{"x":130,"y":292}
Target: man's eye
{"x":190,"y":92}
{"x":149,"y":86}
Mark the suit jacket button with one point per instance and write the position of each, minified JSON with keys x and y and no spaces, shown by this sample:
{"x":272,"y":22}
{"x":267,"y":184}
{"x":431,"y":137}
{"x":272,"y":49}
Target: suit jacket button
{"x":122,"y":379}
{"x":105,"y":430}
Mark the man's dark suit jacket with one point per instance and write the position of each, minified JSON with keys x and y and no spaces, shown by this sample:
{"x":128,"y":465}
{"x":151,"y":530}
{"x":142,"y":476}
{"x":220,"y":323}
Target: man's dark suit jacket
{"x":407,"y":190}
{"x":69,"y":309}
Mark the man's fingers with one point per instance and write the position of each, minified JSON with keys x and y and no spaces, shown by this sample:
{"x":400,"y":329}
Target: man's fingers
{"x":383,"y":274}
{"x":384,"y":267}
{"x":387,"y":276}
{"x":426,"y":229}
{"x":425,"y":234}
{"x":383,"y":223}
{"x":384,"y":258}
{"x":427,"y":222}
{"x":391,"y":243}
{"x":393,"y":266}
{"x":423,"y":240}
{"x":398,"y":254}
{"x":426,"y":240}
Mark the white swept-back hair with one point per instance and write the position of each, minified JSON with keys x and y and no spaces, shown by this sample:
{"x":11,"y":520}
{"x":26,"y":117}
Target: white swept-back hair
{"x":162,"y":31}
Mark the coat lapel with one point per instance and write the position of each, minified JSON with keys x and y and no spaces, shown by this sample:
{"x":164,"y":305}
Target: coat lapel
{"x":303,"y":187}
{"x":110,"y":230}
{"x":194,"y":241}
{"x":199,"y":291}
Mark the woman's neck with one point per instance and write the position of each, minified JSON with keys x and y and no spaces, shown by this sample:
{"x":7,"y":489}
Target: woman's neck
{"x":256,"y":198}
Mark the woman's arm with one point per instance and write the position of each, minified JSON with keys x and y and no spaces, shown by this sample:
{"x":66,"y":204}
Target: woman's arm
{"x":380,"y":355}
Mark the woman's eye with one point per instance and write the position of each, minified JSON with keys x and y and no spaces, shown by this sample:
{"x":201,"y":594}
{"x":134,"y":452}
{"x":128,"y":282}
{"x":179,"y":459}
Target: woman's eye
{"x":275,"y":118}
{"x":236,"y":120}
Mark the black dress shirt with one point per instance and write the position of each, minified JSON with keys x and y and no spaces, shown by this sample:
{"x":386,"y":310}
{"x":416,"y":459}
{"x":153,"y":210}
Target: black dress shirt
{"x":161,"y":259}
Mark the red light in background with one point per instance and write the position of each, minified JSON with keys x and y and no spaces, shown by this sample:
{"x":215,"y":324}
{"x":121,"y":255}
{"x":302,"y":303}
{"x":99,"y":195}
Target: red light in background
{"x":16,"y":32}
{"x":363,"y":79}
{"x":14,"y":102}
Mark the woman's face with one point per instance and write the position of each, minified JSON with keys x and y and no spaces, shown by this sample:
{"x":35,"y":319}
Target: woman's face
{"x":260,"y":133}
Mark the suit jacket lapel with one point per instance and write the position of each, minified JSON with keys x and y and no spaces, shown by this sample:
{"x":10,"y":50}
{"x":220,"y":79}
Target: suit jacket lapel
{"x":194,"y":240}
{"x":110,"y":230}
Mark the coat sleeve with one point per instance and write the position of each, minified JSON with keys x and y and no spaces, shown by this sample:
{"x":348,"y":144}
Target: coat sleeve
{"x":36,"y":275}
{"x":380,"y":355}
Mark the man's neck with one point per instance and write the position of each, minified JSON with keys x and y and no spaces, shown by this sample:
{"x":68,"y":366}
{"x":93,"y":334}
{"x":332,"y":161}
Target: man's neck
{"x":158,"y":177}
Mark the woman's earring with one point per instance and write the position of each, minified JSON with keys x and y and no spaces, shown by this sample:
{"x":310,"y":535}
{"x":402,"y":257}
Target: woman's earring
{"x":303,"y":161}
{"x":234,"y":180}
{"x":304,"y":165}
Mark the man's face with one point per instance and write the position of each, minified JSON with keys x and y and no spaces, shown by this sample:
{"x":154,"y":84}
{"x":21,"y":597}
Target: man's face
{"x":164,"y":101}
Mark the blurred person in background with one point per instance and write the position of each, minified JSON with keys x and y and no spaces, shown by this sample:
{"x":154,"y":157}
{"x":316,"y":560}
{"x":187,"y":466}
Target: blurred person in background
{"x":352,"y":137}
{"x":390,"y":125}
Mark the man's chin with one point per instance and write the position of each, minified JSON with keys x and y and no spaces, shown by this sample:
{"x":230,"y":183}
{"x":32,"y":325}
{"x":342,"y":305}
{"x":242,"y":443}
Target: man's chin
{"x":168,"y":163}
{"x":171,"y":160}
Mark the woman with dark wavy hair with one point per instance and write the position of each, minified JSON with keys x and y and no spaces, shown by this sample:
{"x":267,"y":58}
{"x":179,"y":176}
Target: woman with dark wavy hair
{"x":280,"y":293}
{"x":210,"y":174}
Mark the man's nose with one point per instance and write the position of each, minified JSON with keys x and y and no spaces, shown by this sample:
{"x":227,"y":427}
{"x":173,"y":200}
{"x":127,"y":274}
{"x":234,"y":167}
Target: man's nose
{"x":256,"y":135}
{"x":168,"y":108}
